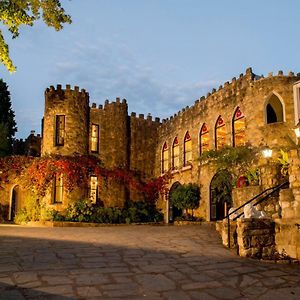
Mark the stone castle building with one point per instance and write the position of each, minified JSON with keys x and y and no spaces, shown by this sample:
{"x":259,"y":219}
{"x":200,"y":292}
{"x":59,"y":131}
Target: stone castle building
{"x":255,"y":110}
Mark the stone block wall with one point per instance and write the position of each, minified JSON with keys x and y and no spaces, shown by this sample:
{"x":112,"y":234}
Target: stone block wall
{"x":288,"y":237}
{"x":250,"y":93}
{"x":256,"y":238}
{"x":74,"y":104}
{"x":243,"y":194}
{"x":222,"y":228}
{"x":113,"y":133}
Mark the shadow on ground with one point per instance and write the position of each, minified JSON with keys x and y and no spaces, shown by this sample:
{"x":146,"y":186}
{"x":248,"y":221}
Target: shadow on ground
{"x":134,"y":262}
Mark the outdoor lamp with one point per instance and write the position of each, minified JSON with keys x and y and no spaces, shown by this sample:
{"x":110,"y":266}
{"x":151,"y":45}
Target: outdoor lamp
{"x":297,"y":129}
{"x":267,"y":153}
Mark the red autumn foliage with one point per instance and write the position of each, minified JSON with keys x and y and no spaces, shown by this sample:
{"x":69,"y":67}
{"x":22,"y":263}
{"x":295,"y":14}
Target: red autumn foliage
{"x":39,"y":173}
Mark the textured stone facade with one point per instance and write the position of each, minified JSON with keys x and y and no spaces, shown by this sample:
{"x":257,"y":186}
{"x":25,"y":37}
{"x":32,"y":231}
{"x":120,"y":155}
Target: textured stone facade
{"x":136,"y":142}
{"x":256,"y":238}
{"x":251,"y":94}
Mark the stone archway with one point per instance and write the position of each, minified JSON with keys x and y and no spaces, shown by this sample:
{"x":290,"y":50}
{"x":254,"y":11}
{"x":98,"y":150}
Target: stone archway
{"x":15,"y":202}
{"x":220,"y":195}
{"x":173,"y":211}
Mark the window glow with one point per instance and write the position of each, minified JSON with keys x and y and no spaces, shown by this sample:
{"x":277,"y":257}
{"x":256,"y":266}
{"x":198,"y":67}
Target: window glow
{"x":220,"y":133}
{"x":238,"y":128}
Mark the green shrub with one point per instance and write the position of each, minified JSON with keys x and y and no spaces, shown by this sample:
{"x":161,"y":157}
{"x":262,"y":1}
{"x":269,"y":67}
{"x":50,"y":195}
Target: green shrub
{"x":186,"y":196}
{"x":133,"y":212}
{"x":21,"y":216}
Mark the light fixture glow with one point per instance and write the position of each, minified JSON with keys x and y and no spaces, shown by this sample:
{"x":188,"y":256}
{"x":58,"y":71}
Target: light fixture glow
{"x":267,"y":153}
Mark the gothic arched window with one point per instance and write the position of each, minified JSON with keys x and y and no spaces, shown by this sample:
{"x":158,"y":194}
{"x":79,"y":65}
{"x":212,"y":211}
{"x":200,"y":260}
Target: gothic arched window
{"x":274,"y":110}
{"x":204,"y":139}
{"x":220,"y":133}
{"x":165,"y":158}
{"x":175,"y":154}
{"x":238,"y":128}
{"x":187,"y":154}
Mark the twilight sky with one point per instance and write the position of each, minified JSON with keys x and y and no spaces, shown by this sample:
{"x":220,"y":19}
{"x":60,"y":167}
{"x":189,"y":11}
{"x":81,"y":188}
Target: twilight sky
{"x":160,"y":55}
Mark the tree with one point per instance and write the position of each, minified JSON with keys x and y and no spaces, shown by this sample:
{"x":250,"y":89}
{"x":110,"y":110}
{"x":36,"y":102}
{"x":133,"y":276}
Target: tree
{"x":14,"y":13}
{"x":7,"y":121}
{"x":186,"y":196}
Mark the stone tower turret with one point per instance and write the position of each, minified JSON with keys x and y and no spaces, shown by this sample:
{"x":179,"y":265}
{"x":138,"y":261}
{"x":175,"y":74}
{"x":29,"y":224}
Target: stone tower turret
{"x":66,"y":121}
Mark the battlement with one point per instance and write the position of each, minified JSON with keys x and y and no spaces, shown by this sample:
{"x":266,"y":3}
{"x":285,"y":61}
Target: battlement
{"x":228,"y":89}
{"x":108,"y":104}
{"x":149,"y":118}
{"x":58,"y":90}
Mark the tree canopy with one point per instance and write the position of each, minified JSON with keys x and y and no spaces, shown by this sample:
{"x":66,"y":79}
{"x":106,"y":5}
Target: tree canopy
{"x":14,"y":13}
{"x":186,"y":196}
{"x":7,"y":121}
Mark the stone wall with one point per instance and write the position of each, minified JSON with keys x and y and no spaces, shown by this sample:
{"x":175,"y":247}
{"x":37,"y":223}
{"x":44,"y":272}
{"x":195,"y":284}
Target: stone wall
{"x":250,"y":93}
{"x":288,"y":237}
{"x":256,"y":238}
{"x":74,"y":104}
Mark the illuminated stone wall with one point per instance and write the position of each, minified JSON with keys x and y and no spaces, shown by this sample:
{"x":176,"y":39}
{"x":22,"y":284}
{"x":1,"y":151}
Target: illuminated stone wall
{"x":74,"y":104}
{"x":250,"y":93}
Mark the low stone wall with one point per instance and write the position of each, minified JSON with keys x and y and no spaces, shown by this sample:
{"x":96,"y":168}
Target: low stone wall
{"x":222,"y":229}
{"x":288,"y":237}
{"x":256,"y":238}
{"x":243,"y":194}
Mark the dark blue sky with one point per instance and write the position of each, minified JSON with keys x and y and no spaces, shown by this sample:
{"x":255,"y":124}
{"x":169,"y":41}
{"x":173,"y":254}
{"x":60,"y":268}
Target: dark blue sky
{"x":160,"y":55}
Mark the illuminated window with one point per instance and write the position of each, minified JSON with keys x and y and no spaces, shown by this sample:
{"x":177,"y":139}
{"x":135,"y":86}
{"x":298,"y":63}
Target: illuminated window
{"x":187,"y":149}
{"x":220,"y":133}
{"x":93,"y":189}
{"x":175,"y":154}
{"x":95,"y":138}
{"x":60,"y":130}
{"x":274,"y":110}
{"x":204,"y":139}
{"x":58,"y":189}
{"x":238,"y":128}
{"x":165,"y":158}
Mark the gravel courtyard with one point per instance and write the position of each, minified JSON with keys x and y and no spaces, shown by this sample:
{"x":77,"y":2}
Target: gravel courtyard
{"x":134,"y":262}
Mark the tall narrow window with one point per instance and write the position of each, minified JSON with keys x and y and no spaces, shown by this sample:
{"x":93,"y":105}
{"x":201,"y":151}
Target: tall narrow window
{"x":93,"y":189}
{"x":175,"y":154}
{"x":204,"y":139}
{"x":238,"y":128}
{"x":95,"y":138}
{"x":60,"y":130}
{"x":187,"y":149}
{"x":220,"y":133}
{"x":165,"y":158}
{"x":58,"y":189}
{"x":274,"y":110}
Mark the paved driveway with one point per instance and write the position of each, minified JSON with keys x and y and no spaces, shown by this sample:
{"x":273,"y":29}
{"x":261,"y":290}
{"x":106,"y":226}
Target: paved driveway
{"x":134,"y":262}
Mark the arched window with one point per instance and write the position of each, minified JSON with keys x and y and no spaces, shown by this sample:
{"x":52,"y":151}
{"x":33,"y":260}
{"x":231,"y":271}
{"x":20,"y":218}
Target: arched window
{"x":204,"y":139}
{"x":220,"y":133}
{"x":175,"y":154}
{"x":165,"y":158}
{"x":238,"y":128}
{"x":274,"y":110}
{"x":187,"y":154}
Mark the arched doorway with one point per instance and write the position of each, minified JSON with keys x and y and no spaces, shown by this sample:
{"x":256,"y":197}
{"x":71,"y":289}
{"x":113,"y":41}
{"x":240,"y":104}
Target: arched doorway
{"x":173,"y":211}
{"x":220,"y":195}
{"x":15,"y":195}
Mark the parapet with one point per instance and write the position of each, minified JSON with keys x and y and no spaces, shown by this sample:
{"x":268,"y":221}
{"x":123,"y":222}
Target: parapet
{"x":141,"y":117}
{"x":59,"y":90}
{"x":230,"y":88}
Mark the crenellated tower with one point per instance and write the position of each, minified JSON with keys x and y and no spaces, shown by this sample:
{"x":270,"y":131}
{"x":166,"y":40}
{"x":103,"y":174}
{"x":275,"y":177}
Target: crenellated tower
{"x":112,"y":119}
{"x":66,"y":121}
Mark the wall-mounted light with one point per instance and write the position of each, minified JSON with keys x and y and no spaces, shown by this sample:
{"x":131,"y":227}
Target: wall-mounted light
{"x":297,"y":130}
{"x":267,"y":153}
